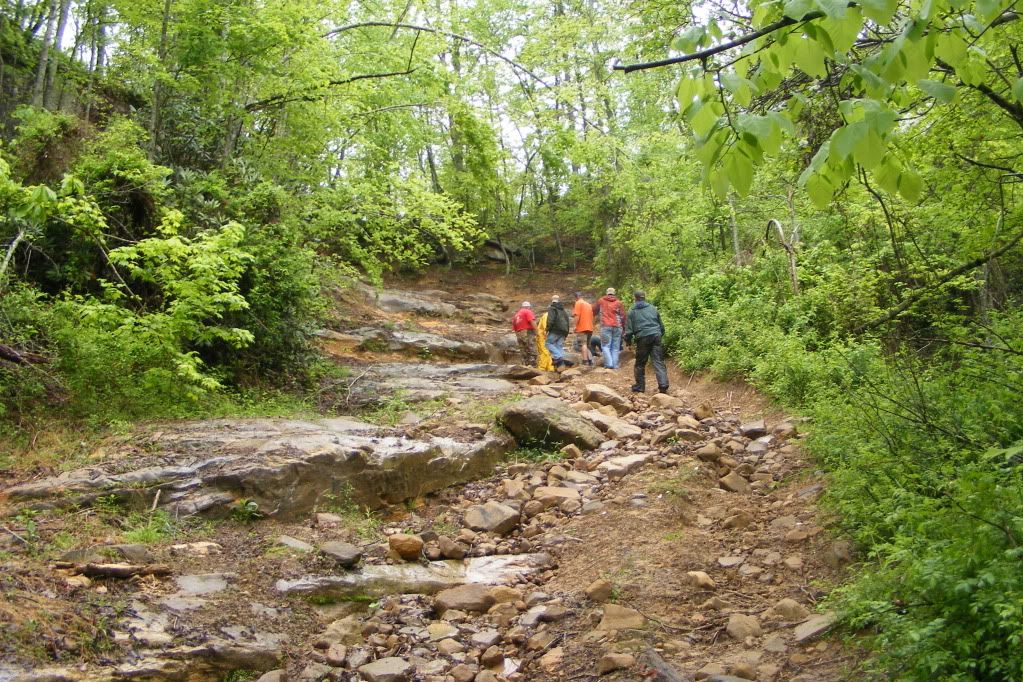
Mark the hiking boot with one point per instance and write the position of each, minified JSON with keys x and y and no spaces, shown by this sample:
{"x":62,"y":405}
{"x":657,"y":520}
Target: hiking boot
{"x":662,"y":390}
{"x":638,"y":389}
{"x":567,"y":363}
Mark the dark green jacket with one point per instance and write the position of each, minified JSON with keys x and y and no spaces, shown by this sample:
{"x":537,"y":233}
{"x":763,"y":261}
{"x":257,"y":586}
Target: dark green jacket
{"x":643,"y":320}
{"x":557,"y":320}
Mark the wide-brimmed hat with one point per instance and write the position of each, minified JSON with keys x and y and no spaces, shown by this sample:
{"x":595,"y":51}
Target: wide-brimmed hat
{"x":610,"y":291}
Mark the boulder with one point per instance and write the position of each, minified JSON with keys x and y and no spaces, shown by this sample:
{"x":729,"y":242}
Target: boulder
{"x":408,"y":547}
{"x":600,"y":590}
{"x":735,"y":483}
{"x":492,"y":517}
{"x":703,"y":411}
{"x":741,"y":626}
{"x":599,"y":393}
{"x":754,"y":429}
{"x":550,"y":421}
{"x":345,"y":554}
{"x":390,"y":669}
{"x":790,"y":610}
{"x":663,"y":401}
{"x":621,"y":618}
{"x":815,"y":626}
{"x":611,"y":662}
{"x":471,"y":598}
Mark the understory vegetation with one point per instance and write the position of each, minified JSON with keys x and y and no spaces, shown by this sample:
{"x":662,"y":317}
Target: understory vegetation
{"x":822,"y":197}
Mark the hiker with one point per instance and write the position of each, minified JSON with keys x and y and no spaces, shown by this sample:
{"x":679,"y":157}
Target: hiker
{"x":524,"y":326}
{"x":558,"y":324}
{"x":611,"y":313}
{"x":643,"y":325}
{"x":583,"y":314}
{"x":543,"y":361}
{"x":595,"y":351}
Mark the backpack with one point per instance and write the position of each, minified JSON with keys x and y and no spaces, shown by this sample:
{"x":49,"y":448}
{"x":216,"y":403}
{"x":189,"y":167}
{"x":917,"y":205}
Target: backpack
{"x":558,"y":322}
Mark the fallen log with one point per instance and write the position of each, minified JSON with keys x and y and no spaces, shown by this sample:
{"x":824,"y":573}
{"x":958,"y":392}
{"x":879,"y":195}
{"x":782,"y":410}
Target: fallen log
{"x":115,"y":570}
{"x":21,"y":357}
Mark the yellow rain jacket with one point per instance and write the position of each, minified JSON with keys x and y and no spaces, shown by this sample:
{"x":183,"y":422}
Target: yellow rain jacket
{"x":543,"y":356}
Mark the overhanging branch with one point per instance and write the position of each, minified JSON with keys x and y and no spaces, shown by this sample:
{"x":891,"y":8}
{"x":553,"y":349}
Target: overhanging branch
{"x":313,"y":95}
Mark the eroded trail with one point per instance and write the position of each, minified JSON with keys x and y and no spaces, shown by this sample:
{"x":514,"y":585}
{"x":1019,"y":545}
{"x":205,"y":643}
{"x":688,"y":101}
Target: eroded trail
{"x":677,"y":539}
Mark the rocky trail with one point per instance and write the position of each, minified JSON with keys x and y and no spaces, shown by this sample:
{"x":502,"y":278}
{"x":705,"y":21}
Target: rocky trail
{"x":458,"y":518}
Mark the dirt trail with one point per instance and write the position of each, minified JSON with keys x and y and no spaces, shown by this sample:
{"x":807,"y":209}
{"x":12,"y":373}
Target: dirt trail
{"x":699,"y":582}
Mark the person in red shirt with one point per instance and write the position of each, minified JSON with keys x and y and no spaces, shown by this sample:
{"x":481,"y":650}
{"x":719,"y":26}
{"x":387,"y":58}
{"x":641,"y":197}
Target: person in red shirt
{"x":583,"y":314}
{"x":611,"y":313}
{"x":524,"y":326}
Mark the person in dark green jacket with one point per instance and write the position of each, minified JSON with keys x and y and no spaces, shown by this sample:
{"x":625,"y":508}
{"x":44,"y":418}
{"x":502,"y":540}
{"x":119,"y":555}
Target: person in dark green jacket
{"x":643,"y":325}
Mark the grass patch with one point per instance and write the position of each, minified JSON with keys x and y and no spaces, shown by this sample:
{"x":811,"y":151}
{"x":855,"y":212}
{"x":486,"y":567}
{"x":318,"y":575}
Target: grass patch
{"x":391,"y":410}
{"x":536,"y":453}
{"x":149,"y":528}
{"x":360,"y":520}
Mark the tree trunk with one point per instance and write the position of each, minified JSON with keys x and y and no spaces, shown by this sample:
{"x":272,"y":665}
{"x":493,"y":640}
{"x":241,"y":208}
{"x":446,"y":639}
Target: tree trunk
{"x":51,"y":69}
{"x":154,"y":117}
{"x":44,"y":54}
{"x":735,"y":230}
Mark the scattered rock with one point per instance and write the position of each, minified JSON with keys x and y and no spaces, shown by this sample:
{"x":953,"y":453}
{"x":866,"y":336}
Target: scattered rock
{"x":735,"y":483}
{"x":663,"y":401}
{"x":603,"y":395}
{"x":390,"y":669}
{"x":295,"y":544}
{"x":741,"y":626}
{"x":700,"y":580}
{"x":600,"y":591}
{"x":754,"y":429}
{"x":345,"y":554}
{"x":611,"y":662}
{"x":621,"y":618}
{"x":493,"y":517}
{"x":790,"y":610}
{"x":472,"y":598}
{"x":553,"y":660}
{"x":814,"y":627}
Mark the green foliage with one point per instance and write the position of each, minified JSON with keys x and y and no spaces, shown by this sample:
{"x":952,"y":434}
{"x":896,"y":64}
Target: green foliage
{"x":149,"y":528}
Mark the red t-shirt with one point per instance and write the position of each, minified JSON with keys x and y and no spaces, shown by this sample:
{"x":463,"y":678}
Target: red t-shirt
{"x":523,"y":319}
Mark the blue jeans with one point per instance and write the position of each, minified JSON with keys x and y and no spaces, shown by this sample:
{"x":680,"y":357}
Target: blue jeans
{"x":611,"y":345}
{"x":555,"y":345}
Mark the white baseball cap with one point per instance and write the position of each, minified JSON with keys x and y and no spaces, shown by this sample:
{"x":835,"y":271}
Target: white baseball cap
{"x":610,"y":291}
{"x":555,"y":299}
{"x":527,"y":304}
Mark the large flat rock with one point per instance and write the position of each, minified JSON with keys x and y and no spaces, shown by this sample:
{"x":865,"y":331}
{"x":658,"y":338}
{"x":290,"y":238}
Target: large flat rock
{"x":378,"y":580}
{"x":549,"y":421}
{"x":287,"y":467}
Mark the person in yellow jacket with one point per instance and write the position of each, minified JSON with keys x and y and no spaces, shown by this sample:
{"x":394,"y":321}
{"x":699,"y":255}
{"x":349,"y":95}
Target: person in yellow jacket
{"x":544,"y":361}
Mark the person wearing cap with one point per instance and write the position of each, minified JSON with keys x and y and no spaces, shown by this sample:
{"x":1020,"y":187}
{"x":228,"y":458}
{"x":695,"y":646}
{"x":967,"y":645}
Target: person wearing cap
{"x":558,"y":325}
{"x":643,"y":325}
{"x":583,"y":314}
{"x":524,"y":326}
{"x":611,"y":313}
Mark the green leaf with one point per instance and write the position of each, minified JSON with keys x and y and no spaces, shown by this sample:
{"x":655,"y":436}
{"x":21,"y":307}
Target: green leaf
{"x":797,"y":9}
{"x":1017,"y":90}
{"x":950,"y":49}
{"x":887,"y":174}
{"x":820,"y":191}
{"x":740,"y":173}
{"x":870,"y":150}
{"x":845,"y":140}
{"x":834,"y":9}
{"x":942,"y":92}
{"x":705,"y":119}
{"x":689,"y":40}
{"x":881,"y":11}
{"x":910,"y":185}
